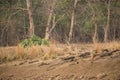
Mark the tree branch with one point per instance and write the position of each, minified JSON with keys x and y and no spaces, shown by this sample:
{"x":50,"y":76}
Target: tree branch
{"x":54,"y":23}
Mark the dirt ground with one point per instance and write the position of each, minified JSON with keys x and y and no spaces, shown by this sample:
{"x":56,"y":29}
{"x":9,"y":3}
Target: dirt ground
{"x":71,"y":67}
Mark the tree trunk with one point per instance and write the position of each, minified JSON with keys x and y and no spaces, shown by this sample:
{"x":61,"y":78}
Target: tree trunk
{"x":31,"y":31}
{"x":95,"y":37}
{"x":48,"y":26}
{"x":71,"y":27}
{"x":72,"y":21}
{"x":108,"y":22}
{"x":47,"y":34}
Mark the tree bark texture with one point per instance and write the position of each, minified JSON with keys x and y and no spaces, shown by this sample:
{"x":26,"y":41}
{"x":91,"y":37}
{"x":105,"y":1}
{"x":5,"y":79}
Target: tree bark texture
{"x":31,"y":31}
{"x":106,"y":30}
{"x":47,"y":34}
{"x":72,"y":21}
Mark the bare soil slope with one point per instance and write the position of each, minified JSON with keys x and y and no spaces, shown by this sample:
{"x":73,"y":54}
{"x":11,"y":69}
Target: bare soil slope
{"x":72,"y":67}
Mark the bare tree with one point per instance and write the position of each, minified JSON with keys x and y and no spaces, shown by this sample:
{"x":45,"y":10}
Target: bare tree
{"x":106,"y":29}
{"x":49,"y":20}
{"x":52,"y":21}
{"x":72,"y":20}
{"x":95,"y":36}
{"x":31,"y":32}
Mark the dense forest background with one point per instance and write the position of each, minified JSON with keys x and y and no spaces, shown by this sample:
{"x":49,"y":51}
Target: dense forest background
{"x":59,"y":20}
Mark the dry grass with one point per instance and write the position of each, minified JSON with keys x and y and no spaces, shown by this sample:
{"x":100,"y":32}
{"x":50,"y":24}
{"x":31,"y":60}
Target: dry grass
{"x":7,"y":54}
{"x":44,"y":52}
{"x":19,"y":52}
{"x":109,"y":45}
{"x":52,"y":51}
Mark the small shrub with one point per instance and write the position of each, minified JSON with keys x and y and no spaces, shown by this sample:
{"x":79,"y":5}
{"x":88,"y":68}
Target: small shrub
{"x":34,"y":40}
{"x":45,"y":42}
{"x":3,"y":59}
{"x":54,"y":56}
